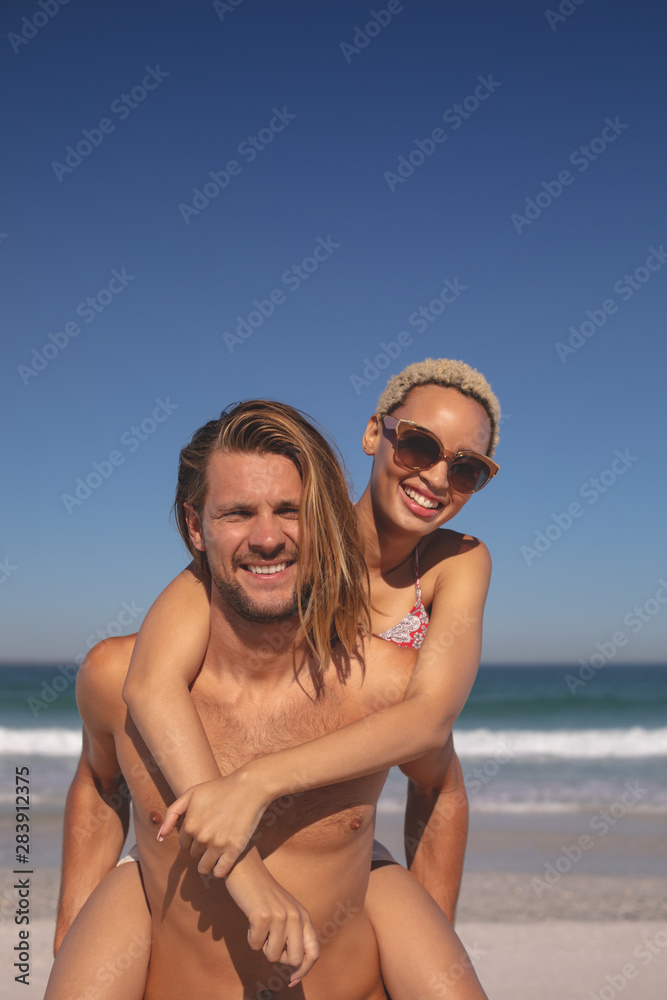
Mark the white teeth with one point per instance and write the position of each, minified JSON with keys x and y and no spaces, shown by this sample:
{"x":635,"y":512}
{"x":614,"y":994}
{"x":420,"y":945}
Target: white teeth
{"x":267,"y":570}
{"x":418,"y":498}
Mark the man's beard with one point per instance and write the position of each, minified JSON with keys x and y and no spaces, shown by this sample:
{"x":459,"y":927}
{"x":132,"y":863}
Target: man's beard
{"x":235,"y":597}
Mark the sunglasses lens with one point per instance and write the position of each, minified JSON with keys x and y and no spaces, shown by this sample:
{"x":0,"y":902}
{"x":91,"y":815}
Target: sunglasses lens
{"x":417,"y":450}
{"x":468,"y":474}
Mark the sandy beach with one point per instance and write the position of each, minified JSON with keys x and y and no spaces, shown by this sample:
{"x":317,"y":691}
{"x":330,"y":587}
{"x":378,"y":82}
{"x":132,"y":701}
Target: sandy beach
{"x":552,"y":960}
{"x":597,"y":931}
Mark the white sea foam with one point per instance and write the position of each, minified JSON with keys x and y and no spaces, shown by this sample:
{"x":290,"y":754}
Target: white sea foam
{"x":498,"y":744}
{"x":567,"y":744}
{"x":54,"y":742}
{"x":543,"y":808}
{"x":388,"y":803}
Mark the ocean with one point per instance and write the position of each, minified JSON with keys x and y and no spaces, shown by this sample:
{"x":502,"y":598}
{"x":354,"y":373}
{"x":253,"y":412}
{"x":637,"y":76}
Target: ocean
{"x":530,"y":739}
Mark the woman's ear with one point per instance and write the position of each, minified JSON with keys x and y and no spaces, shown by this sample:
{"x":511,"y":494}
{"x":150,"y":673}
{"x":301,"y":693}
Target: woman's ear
{"x":372,"y":435}
{"x":194,"y":526}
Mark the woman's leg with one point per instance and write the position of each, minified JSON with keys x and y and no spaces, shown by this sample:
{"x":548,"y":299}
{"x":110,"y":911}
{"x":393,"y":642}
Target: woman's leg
{"x":105,"y":953}
{"x":421,"y":956}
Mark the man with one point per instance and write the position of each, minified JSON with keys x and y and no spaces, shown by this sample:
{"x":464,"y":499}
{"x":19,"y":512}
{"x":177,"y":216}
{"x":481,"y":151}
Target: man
{"x":267,"y":502}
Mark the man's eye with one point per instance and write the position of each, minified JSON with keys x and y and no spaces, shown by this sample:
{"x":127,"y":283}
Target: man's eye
{"x":292,"y":512}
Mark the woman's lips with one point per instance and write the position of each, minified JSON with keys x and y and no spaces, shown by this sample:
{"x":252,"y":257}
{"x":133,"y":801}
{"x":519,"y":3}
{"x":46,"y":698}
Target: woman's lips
{"x":419,"y":503}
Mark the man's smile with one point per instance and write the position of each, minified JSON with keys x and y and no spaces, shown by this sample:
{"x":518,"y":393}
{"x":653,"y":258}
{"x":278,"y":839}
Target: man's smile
{"x":267,"y":569}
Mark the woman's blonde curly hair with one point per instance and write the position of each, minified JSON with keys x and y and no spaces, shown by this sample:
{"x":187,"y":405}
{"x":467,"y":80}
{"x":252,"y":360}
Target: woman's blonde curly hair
{"x":450,"y":375}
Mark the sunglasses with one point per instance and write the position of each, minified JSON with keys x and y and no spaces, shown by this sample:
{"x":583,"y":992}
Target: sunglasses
{"x":417,"y":448}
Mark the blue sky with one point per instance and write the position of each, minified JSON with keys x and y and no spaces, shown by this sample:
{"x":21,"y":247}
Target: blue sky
{"x":498,"y":167}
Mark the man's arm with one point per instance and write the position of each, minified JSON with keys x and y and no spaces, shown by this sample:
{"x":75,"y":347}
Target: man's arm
{"x":436,"y":825}
{"x":97,"y":808}
{"x":95,"y":828}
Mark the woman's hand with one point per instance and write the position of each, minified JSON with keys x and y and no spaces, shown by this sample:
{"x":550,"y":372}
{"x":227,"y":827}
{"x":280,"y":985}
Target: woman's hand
{"x":277,"y":922}
{"x":220,"y":818}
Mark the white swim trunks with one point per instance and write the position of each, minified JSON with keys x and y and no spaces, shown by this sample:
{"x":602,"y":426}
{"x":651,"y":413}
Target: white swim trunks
{"x":380,"y":853}
{"x":133,"y":855}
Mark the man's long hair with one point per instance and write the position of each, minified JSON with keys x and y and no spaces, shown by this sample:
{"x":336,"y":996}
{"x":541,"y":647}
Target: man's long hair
{"x":331,"y":568}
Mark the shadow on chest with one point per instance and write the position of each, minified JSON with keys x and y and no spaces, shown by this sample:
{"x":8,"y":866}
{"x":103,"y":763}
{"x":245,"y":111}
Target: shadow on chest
{"x":238,"y":734}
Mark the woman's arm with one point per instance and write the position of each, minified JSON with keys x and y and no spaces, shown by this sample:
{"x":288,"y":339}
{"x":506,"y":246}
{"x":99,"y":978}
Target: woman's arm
{"x":168,"y":653}
{"x":223,"y":814}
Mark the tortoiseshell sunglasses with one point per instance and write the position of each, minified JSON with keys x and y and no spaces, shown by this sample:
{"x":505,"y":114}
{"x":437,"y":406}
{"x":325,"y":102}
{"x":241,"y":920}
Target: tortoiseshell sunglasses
{"x":417,"y":448}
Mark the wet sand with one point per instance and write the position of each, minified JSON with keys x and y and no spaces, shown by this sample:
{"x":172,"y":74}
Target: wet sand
{"x":594,"y":931}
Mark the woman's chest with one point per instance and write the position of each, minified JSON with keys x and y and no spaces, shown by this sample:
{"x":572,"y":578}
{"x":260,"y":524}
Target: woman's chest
{"x":398,"y":596}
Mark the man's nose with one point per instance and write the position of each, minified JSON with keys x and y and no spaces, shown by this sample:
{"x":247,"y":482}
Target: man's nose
{"x":266,"y":535}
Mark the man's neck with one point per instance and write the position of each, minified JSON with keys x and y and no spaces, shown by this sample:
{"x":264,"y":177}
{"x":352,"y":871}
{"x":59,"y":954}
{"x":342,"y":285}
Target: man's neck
{"x":263,"y":652}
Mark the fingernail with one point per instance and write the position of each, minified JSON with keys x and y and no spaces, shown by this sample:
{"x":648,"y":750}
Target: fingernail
{"x":160,"y":838}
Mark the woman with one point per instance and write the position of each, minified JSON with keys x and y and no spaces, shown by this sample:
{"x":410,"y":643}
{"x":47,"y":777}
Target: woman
{"x":431,"y":439}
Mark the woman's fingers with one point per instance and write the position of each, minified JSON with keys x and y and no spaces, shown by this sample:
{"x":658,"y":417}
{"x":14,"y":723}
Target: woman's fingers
{"x":173,"y":814}
{"x":262,"y":927}
{"x":311,"y":952}
{"x":216,"y":860}
{"x":294,"y":945}
{"x":286,"y":936}
{"x":275,"y":942}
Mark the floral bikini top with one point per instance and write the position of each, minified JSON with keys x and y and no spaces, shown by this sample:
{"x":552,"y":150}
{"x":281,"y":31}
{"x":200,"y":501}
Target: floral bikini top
{"x":412,"y":629}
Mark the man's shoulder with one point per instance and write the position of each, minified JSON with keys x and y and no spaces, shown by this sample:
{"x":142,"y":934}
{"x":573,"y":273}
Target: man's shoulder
{"x":105,"y":667}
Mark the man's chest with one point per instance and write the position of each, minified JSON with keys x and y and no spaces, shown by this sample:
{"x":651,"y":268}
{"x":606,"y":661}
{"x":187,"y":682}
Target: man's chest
{"x":238,"y":734}
{"x":242,"y":731}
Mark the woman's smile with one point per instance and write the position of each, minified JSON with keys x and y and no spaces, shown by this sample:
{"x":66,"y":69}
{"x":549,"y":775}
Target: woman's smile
{"x":421,"y":502}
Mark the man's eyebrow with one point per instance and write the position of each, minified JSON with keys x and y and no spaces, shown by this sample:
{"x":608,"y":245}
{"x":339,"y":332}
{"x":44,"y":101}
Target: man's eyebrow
{"x":226,"y":507}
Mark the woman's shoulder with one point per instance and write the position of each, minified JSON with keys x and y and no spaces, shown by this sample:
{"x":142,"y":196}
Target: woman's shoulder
{"x":447,"y":552}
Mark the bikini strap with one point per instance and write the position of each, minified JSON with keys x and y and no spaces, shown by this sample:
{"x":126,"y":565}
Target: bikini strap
{"x":417,"y":586}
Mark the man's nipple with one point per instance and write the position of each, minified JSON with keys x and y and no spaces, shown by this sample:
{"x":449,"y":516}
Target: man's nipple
{"x":156,"y":818}
{"x":355,"y":823}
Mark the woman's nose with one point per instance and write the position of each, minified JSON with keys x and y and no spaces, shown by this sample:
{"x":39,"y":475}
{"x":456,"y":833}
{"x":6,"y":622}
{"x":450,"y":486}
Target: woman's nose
{"x":437,"y":477}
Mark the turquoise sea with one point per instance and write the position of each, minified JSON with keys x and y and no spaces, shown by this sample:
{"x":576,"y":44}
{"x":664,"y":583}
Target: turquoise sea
{"x":530,"y":739}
